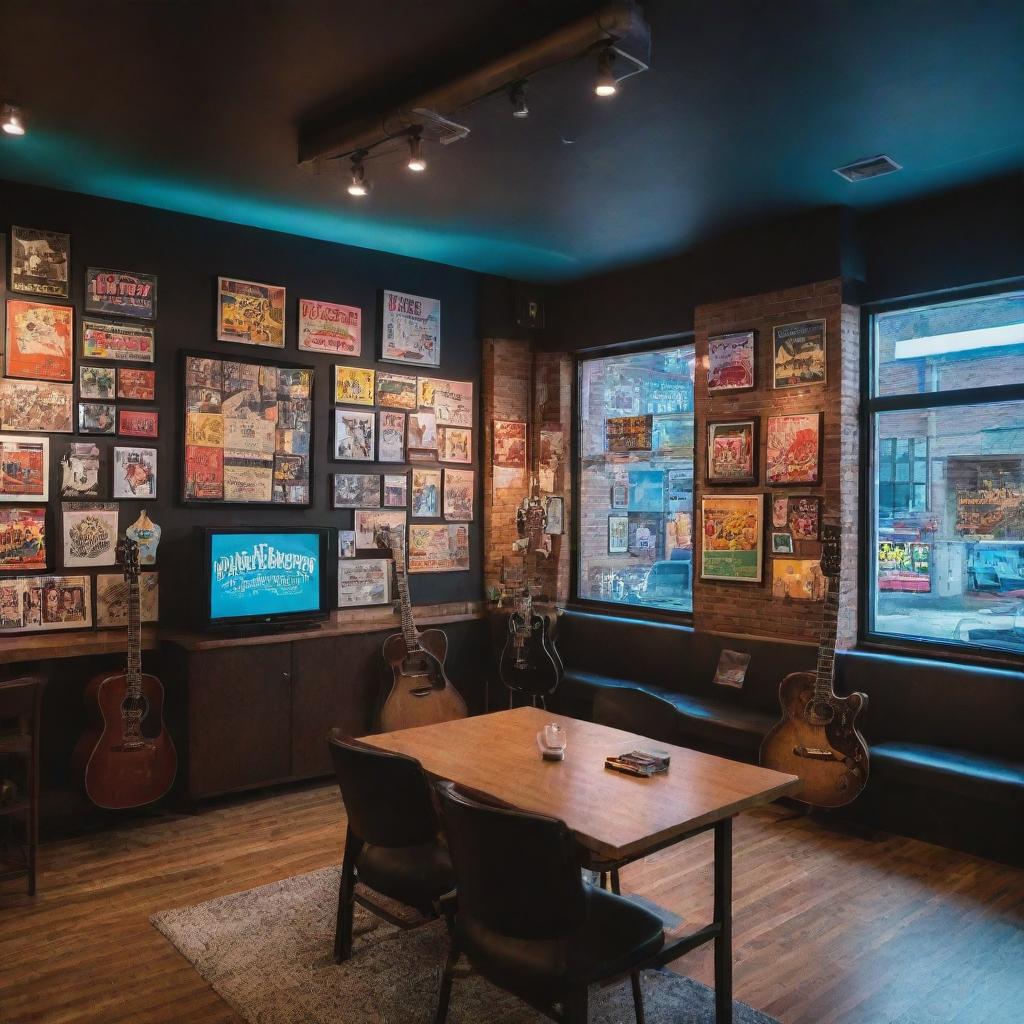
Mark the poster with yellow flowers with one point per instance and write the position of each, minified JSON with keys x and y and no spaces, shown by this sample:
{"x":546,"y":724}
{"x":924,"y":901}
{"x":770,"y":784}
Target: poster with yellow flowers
{"x":732,"y":537}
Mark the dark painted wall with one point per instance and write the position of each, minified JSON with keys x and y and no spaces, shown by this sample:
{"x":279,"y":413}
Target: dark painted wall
{"x":187,"y":254}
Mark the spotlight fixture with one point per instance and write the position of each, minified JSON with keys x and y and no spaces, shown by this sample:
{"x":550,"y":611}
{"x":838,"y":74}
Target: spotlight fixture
{"x":606,"y":84}
{"x":359,"y":185}
{"x":11,"y":119}
{"x":517,"y":97}
{"x":416,"y":161}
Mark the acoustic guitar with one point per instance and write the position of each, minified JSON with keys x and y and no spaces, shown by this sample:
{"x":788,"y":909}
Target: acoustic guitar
{"x":126,"y":757}
{"x":417,"y":690}
{"x":818,"y":737}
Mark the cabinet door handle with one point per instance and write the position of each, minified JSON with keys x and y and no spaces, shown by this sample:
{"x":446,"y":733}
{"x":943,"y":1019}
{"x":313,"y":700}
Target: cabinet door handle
{"x":286,"y":677}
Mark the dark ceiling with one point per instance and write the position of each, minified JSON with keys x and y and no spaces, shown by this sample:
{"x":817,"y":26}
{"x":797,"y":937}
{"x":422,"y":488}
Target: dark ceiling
{"x":194,"y":106}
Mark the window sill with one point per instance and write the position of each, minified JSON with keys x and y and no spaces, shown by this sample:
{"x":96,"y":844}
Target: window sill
{"x":937,"y":651}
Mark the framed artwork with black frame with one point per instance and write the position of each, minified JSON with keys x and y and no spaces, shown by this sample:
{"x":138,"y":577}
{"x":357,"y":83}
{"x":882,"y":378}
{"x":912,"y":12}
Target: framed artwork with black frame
{"x":732,"y":451}
{"x":793,"y":449}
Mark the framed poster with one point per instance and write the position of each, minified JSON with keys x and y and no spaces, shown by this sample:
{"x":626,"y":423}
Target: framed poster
{"x":629,"y":433}
{"x":120,"y":293}
{"x":780,"y":512}
{"x":353,"y":385}
{"x":782,"y":544}
{"x":80,"y":471}
{"x":367,"y":522}
{"x":798,"y":579}
{"x":353,"y":435}
{"x":731,"y":362}
{"x":121,"y":343}
{"x":391,"y":436}
{"x":554,"y":509}
{"x":138,"y":385}
{"x":24,"y":468}
{"x":620,"y":494}
{"x":455,"y":444}
{"x":346,"y":543}
{"x":732,"y":452}
{"x":135,"y":473}
{"x":451,"y":400}
{"x":97,"y":418}
{"x":646,"y":490}
{"x":426,"y":493}
{"x":673,"y":435}
{"x":23,"y":539}
{"x":551,"y":460}
{"x":329,"y":328}
{"x":421,"y":438}
{"x":793,"y":449}
{"x":34,"y":604}
{"x":39,"y":262}
{"x":138,"y":422}
{"x":396,"y":490}
{"x":508,"y":453}
{"x":396,"y":391}
{"x":458,"y":494}
{"x":799,"y":354}
{"x":618,"y":535}
{"x":112,"y":599}
{"x":364,"y":581}
{"x":732,"y":537}
{"x":40,"y":340}
{"x":803,"y":517}
{"x":355,"y":490}
{"x":36,"y":405}
{"x":97,"y":382}
{"x":443,"y":548}
{"x":250,"y":313}
{"x":89,"y":533}
{"x":645,"y":534}
{"x":410,"y":329}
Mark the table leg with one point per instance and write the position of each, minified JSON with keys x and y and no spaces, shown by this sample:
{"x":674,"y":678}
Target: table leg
{"x":723,"y":918}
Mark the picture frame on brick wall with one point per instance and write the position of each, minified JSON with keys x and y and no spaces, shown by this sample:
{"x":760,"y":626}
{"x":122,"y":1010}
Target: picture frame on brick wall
{"x":732,"y":537}
{"x":618,"y":535}
{"x":732,"y":451}
{"x":793,"y":449}
{"x":798,"y":354}
{"x":732,"y":362}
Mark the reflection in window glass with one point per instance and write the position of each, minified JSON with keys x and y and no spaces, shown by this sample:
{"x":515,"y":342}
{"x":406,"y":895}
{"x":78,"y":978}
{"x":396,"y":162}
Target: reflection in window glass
{"x":636,"y":479}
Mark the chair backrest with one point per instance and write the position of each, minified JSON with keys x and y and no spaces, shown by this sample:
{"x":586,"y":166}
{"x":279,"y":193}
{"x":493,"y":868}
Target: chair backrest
{"x":387,"y":796}
{"x":19,"y":702}
{"x":518,"y":874}
{"x":623,"y":707}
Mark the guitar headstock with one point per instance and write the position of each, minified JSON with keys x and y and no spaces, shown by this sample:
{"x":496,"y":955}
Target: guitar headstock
{"x":831,"y":550}
{"x":128,"y":557}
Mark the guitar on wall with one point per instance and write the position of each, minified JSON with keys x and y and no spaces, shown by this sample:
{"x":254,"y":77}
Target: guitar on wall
{"x":419,"y":691}
{"x":126,"y":757}
{"x":818,"y":738}
{"x":530,"y":661}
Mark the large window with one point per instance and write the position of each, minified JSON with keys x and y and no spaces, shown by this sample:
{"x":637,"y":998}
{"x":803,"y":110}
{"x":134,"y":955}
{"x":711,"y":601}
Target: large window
{"x":946,"y":412}
{"x":636,"y":479}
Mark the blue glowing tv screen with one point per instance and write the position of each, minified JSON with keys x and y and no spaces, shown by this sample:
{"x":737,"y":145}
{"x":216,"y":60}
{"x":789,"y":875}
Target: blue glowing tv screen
{"x":262,"y":575}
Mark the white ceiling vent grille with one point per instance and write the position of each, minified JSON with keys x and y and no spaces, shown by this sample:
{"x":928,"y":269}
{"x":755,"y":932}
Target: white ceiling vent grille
{"x":872,"y":167}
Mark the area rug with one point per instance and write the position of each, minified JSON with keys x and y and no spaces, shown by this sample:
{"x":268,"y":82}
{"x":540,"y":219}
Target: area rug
{"x":267,"y":952}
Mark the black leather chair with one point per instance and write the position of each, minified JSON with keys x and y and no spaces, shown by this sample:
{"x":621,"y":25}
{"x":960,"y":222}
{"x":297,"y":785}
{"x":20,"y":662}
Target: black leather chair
{"x":393,"y":843}
{"x":525,"y":919}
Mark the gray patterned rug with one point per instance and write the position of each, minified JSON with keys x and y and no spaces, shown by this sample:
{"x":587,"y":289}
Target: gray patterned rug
{"x":267,"y":951}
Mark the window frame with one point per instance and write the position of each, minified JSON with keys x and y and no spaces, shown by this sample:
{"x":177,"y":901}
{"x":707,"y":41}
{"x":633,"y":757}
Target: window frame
{"x":867,"y":637}
{"x":588,"y":604}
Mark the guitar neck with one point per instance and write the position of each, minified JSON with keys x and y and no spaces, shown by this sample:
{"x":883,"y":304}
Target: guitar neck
{"x":134,"y":671}
{"x":409,"y":632}
{"x":824,"y":675}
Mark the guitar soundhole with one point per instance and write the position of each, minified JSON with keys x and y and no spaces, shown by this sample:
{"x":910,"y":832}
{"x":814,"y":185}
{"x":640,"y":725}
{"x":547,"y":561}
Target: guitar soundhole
{"x":416,"y":665}
{"x":819,"y":712}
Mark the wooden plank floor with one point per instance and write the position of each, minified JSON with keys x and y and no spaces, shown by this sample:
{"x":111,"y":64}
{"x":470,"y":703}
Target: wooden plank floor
{"x":830,"y":928}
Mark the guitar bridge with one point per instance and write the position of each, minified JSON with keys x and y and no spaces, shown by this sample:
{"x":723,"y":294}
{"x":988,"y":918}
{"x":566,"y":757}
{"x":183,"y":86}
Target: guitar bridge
{"x":816,"y":754}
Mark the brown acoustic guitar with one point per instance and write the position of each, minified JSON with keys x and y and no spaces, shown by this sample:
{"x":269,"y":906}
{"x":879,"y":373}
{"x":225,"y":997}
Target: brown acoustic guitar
{"x":126,"y":757}
{"x":417,"y":691}
{"x":818,"y":737}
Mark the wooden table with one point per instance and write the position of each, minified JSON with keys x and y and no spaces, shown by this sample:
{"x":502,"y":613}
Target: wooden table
{"x":614,"y":816}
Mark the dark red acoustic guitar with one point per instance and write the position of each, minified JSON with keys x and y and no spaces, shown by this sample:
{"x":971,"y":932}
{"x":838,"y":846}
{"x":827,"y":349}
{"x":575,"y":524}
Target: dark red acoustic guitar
{"x":126,"y":757}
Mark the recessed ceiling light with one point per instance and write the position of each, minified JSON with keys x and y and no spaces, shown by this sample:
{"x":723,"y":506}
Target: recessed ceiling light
{"x":517,"y":96}
{"x":358,"y":186}
{"x":11,"y":119}
{"x":606,"y":84}
{"x":416,"y":159}
{"x":872,"y":167}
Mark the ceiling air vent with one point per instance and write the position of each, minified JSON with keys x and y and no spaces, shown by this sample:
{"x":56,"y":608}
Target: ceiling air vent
{"x":873,"y":167}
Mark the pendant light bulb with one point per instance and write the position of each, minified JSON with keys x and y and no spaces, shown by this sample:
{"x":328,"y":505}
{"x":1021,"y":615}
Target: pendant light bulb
{"x":358,"y":186}
{"x":11,"y":119}
{"x":517,"y":97}
{"x":606,"y":85}
{"x":416,"y":161}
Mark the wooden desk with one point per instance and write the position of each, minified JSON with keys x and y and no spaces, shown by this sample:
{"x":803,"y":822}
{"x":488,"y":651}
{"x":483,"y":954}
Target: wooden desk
{"x":613,"y":815}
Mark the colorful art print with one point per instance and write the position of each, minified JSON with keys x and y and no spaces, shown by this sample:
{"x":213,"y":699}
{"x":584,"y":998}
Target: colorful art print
{"x":426,"y":493}
{"x":36,"y":406}
{"x":803,"y":517}
{"x":732,"y":537}
{"x":646,"y":533}
{"x":678,"y":532}
{"x":289,"y":470}
{"x":24,"y":468}
{"x":458,"y":494}
{"x":250,"y":313}
{"x":40,"y":340}
{"x":646,"y":490}
{"x":23,"y":538}
{"x":364,"y":581}
{"x":391,"y":437}
{"x":353,"y":435}
{"x":509,"y":444}
{"x":120,"y":343}
{"x":329,"y":328}
{"x":782,"y":544}
{"x":990,"y":512}
{"x":674,"y":434}
{"x":353,"y":385}
{"x":294,"y":382}
{"x":140,"y":385}
{"x":96,"y":418}
{"x":346,"y":543}
{"x":368,"y":521}
{"x":793,"y":446}
{"x":97,"y":382}
{"x":410,"y":329}
{"x":451,"y":400}
{"x":799,"y":354}
{"x":202,"y":372}
{"x":618,"y":535}
{"x":39,"y":262}
{"x":780,"y":512}
{"x":422,"y":431}
{"x":552,"y":458}
{"x":798,"y":579}
{"x":112,"y":599}
{"x":80,"y":471}
{"x":396,"y":391}
{"x":31,"y":604}
{"x":732,"y":452}
{"x":731,"y":362}
{"x":443,"y":548}
{"x":554,"y":510}
{"x":455,"y":444}
{"x":620,"y":494}
{"x":138,"y":423}
{"x":396,"y":490}
{"x":120,"y":293}
{"x":204,"y":473}
{"x":204,"y":429}
{"x":248,"y":481}
{"x":135,"y":473}
{"x":90,"y":533}
{"x":355,"y":490}
{"x":629,"y":433}
{"x":679,"y":484}
{"x":904,"y":566}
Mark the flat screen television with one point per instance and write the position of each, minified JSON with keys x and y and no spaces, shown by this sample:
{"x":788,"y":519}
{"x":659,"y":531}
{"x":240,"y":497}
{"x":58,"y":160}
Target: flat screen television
{"x":260,"y":578}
